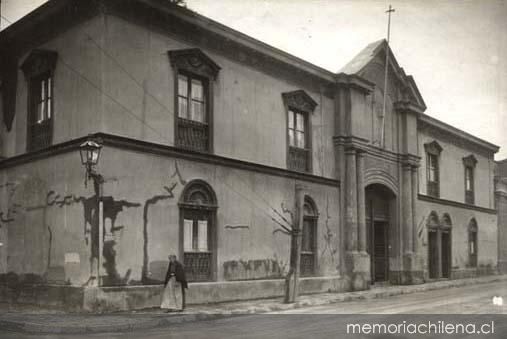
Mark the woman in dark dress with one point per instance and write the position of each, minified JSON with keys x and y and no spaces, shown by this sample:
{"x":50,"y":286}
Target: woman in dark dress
{"x":173,"y":298}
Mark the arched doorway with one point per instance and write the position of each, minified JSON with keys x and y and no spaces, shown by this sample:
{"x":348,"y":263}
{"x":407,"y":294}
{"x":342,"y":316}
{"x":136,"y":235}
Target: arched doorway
{"x":380,"y":214}
{"x":198,"y":230}
{"x":439,"y":246}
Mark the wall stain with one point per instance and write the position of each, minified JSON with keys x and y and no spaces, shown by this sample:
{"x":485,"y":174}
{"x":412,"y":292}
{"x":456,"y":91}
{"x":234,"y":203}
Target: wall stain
{"x":234,"y":227}
{"x":111,"y":210}
{"x":328,"y":239}
{"x":145,"y":279}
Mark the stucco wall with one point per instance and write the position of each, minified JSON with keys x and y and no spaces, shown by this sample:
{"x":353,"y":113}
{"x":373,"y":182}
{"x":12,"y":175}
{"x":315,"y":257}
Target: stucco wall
{"x":460,"y":217}
{"x":44,"y":230}
{"x":78,"y":104}
{"x":452,"y":172}
{"x":47,"y":232}
{"x":114,"y":76}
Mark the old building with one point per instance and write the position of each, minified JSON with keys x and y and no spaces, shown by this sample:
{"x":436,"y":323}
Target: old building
{"x":501,"y":207}
{"x":207,"y":134}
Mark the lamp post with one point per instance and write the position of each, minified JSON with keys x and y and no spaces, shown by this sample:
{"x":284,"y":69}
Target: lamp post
{"x":90,"y":154}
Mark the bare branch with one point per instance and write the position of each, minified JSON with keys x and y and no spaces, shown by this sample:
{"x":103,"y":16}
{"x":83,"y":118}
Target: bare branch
{"x":287,"y":211}
{"x":281,"y":231}
{"x":282,"y":217}
{"x":281,"y":225}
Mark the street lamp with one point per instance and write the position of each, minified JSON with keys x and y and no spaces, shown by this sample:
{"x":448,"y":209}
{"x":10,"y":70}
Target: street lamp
{"x":90,"y":154}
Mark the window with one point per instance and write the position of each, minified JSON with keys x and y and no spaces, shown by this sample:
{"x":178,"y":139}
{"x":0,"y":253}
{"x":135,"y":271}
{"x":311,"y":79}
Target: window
{"x":472,"y":243}
{"x":433,"y":150}
{"x":197,"y":212}
{"x":191,"y":99}
{"x":469,"y":164}
{"x":469,"y":185}
{"x":299,"y":106}
{"x":309,"y":238}
{"x":195,"y":73}
{"x":433,"y":176}
{"x":38,"y":69}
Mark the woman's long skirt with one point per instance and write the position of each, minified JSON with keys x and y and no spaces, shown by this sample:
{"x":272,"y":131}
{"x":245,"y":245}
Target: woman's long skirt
{"x":172,"y":298}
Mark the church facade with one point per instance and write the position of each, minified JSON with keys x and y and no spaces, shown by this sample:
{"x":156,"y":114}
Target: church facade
{"x":213,"y":144}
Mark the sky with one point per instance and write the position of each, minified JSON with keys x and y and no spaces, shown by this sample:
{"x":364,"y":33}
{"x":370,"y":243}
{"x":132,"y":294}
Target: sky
{"x":456,"y":50}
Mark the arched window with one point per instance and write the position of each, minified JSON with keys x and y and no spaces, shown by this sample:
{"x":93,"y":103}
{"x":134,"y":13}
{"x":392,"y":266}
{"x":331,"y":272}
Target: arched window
{"x":309,"y":238}
{"x":472,"y":243}
{"x":197,"y":236}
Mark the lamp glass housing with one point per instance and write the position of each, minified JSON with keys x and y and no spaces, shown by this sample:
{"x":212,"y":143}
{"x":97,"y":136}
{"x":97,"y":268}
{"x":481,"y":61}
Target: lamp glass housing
{"x":90,"y":153}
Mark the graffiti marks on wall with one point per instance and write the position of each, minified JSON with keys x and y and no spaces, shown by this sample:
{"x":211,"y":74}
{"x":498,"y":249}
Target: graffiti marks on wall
{"x":252,"y":269}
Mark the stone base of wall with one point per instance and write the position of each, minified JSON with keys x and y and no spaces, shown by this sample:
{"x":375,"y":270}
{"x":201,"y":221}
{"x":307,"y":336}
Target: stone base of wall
{"x":502,"y":266}
{"x":122,"y":298}
{"x":406,"y":277}
{"x":472,"y":272}
{"x":69,"y":298}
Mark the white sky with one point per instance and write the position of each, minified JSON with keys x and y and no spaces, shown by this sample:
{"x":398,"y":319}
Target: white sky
{"x":455,"y":49}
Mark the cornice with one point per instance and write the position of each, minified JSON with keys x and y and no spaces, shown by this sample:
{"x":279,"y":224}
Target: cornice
{"x":163,"y":150}
{"x":443,"y":131}
{"x":354,"y":81}
{"x":364,"y":146}
{"x":452,"y":203}
{"x":408,"y":107}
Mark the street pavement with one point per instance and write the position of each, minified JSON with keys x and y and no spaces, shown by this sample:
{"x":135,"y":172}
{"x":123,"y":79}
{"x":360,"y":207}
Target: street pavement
{"x":325,"y":320}
{"x":475,"y":299}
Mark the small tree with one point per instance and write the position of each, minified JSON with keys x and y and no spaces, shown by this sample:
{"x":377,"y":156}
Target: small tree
{"x":292,"y":226}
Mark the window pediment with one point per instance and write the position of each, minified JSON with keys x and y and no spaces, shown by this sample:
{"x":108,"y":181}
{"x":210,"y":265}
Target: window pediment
{"x":433,"y":147}
{"x":470,"y":161}
{"x":195,"y":61}
{"x":39,"y":62}
{"x":299,"y":100}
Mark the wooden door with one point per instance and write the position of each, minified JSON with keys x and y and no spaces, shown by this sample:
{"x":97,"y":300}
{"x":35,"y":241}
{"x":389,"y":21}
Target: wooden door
{"x":380,"y":252}
{"x":433,"y":261}
{"x":446,"y":254}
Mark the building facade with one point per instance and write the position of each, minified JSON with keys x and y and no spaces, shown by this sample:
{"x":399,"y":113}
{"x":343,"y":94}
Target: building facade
{"x":207,"y":135}
{"x":501,"y":207}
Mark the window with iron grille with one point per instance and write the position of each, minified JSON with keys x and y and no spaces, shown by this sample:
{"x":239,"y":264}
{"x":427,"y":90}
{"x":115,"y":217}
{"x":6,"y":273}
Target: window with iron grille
{"x":198,"y":206}
{"x":193,"y":127}
{"x":195,"y":73}
{"x":309,"y":239}
{"x":39,"y":69}
{"x":299,"y":106}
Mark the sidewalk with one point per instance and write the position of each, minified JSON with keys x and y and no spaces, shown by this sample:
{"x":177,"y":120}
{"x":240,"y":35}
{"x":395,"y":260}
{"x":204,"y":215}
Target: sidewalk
{"x":31,"y":319}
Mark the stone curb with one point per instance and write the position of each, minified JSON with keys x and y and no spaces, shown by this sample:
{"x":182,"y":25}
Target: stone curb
{"x":316,"y":300}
